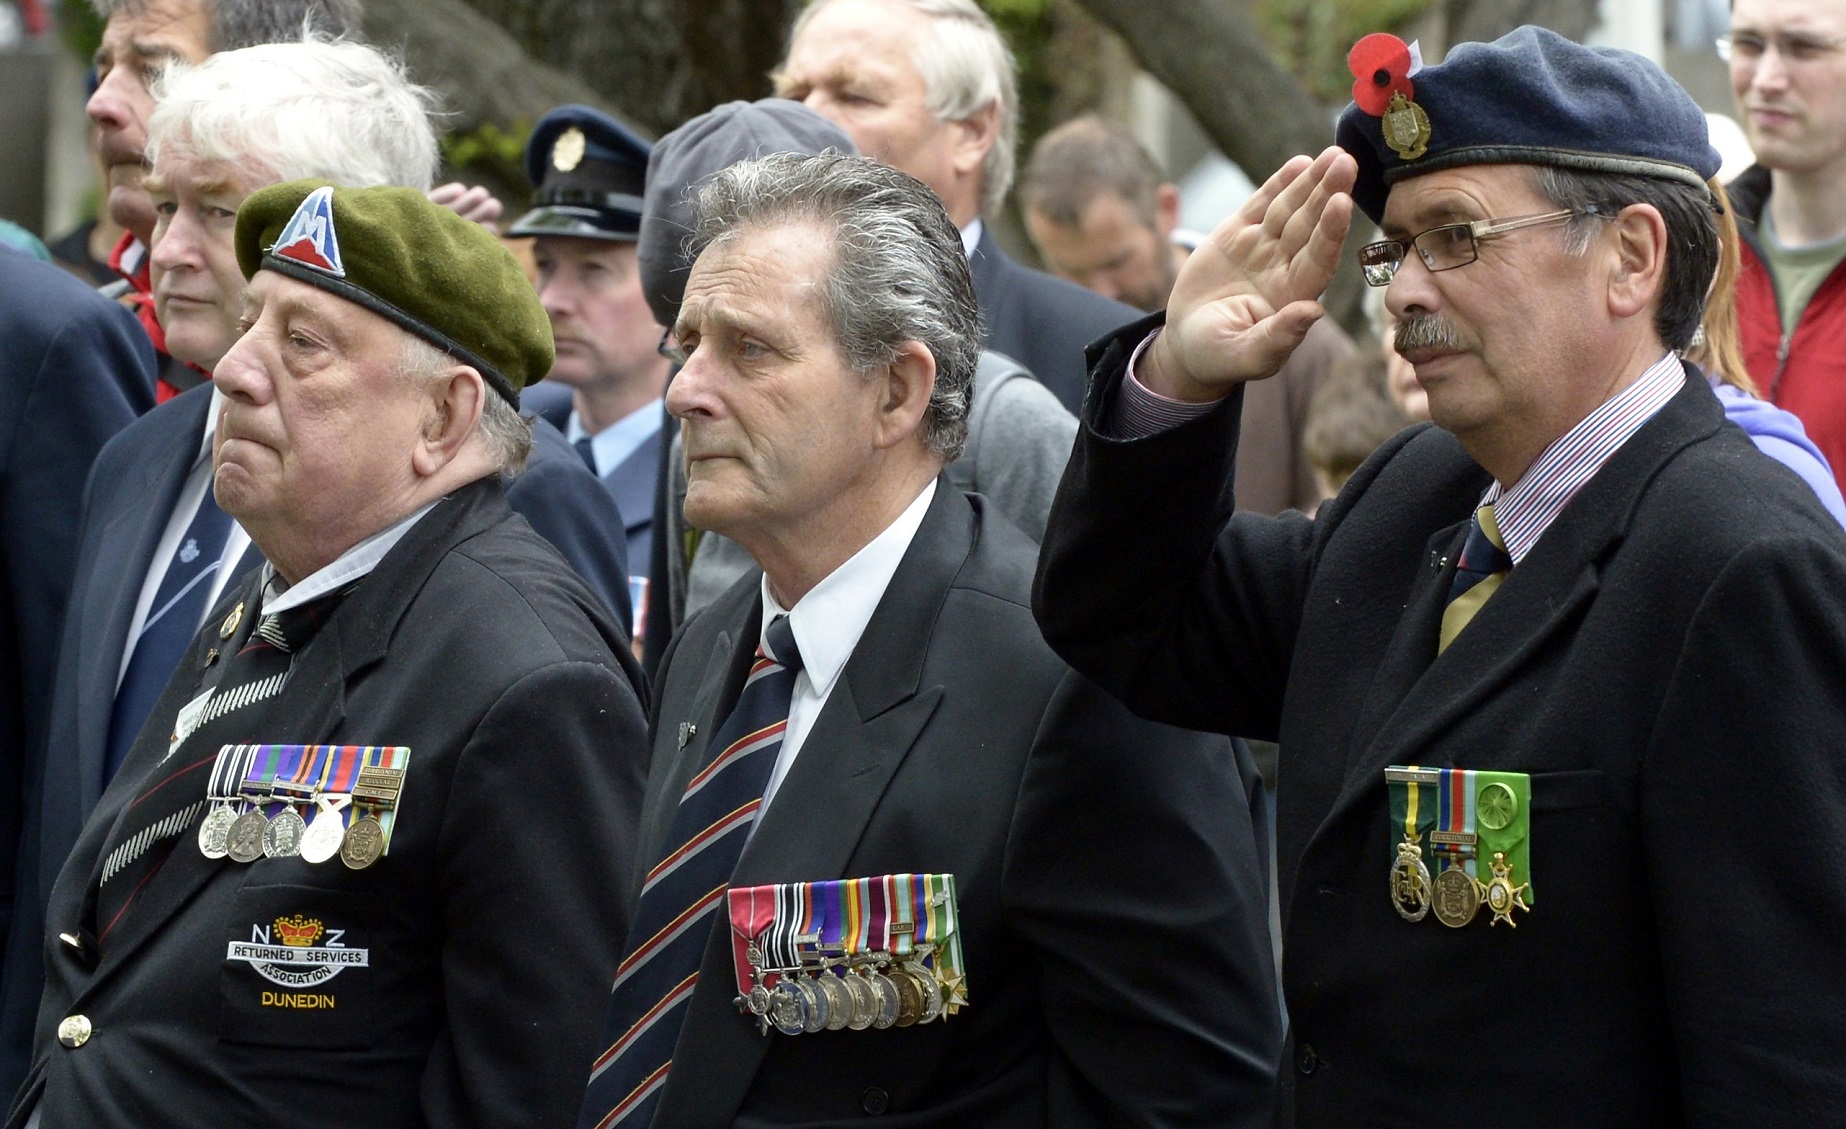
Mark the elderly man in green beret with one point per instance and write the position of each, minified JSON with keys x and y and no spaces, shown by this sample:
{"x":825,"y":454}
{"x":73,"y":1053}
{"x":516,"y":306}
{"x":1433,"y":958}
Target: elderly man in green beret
{"x":356,"y":869}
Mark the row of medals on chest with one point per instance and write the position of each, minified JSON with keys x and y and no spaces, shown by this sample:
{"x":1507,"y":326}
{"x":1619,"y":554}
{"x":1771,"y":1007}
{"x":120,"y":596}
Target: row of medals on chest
{"x":247,"y":836}
{"x":1454,"y":894}
{"x":833,"y":991}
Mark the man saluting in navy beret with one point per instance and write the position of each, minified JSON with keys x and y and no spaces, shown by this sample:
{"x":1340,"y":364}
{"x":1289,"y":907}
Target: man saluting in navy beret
{"x":356,"y":868}
{"x":1557,"y":679}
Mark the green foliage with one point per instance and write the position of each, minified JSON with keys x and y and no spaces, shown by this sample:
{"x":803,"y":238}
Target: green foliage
{"x":490,"y":155}
{"x":80,"y":28}
{"x":1311,"y":37}
{"x":1026,"y":26}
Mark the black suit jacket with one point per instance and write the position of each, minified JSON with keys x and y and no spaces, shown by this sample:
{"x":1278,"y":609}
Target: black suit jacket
{"x":1040,"y":321}
{"x":1111,"y":901}
{"x":1666,"y":664}
{"x":475,"y":646}
{"x":126,"y":507}
{"x":75,"y":368}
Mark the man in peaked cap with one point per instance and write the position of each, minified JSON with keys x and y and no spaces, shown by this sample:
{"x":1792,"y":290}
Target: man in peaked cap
{"x":1556,"y":679}
{"x":415,"y":671}
{"x":589,"y":170}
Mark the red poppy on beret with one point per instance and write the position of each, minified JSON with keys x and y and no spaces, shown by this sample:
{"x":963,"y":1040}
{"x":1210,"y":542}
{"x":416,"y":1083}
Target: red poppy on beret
{"x":1380,"y":64}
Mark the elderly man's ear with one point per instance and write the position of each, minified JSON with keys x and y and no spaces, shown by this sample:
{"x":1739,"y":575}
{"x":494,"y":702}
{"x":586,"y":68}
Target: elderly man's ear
{"x":451,"y":416}
{"x":909,"y":380}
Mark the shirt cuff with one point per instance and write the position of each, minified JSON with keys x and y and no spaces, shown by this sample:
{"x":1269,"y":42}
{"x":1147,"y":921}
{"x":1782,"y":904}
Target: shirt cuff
{"x":1139,"y":411}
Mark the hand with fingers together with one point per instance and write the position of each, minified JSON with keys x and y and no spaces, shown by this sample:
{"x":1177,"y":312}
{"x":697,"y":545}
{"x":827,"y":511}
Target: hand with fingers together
{"x":1248,"y":295}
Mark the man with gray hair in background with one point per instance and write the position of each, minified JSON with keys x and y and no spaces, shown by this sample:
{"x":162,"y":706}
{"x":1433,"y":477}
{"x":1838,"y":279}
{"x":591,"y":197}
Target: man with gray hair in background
{"x":155,"y":550}
{"x":872,"y":725}
{"x":928,"y":87}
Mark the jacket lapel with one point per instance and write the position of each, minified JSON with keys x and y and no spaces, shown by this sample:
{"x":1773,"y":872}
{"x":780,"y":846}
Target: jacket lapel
{"x":1543,"y":595}
{"x":872,"y":719}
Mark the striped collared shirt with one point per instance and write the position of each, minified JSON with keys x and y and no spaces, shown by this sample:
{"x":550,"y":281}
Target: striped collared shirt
{"x":1528,"y":508}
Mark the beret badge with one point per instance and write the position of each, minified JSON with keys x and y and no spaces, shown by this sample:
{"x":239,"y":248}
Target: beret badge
{"x":1382,"y":65}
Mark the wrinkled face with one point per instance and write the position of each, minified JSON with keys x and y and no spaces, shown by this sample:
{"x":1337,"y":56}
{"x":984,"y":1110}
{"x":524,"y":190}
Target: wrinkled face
{"x":198,"y":287}
{"x":1518,"y":321}
{"x":1791,"y":94}
{"x":1111,"y":251}
{"x":591,"y":289}
{"x":852,"y":64}
{"x":317,"y":434}
{"x":777,"y":425}
{"x":136,"y":45}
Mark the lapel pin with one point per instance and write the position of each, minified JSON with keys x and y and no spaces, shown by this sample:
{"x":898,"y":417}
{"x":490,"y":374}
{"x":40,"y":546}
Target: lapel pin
{"x":687,"y":731}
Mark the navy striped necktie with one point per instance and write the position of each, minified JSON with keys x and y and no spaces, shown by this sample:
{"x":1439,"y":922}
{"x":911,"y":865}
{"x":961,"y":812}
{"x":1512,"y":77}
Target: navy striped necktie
{"x":1484,"y":564}
{"x":679,"y":899}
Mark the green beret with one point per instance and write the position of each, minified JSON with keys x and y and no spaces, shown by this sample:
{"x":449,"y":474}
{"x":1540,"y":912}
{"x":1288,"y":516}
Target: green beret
{"x":445,"y":279}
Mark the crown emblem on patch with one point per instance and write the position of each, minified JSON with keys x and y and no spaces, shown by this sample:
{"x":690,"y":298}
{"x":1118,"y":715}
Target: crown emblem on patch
{"x":298,"y":932}
{"x":309,"y":238}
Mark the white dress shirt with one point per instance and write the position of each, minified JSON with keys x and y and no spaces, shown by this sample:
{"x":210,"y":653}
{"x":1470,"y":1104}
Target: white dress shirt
{"x":614,"y":443}
{"x":827,"y":624}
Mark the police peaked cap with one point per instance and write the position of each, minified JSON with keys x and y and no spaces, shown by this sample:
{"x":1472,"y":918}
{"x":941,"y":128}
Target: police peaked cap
{"x":588,"y":171}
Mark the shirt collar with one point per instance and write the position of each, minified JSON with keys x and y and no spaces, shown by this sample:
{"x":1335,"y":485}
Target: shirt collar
{"x":829,"y":620}
{"x":620,"y":439}
{"x":211,"y":424}
{"x":1528,"y":508}
{"x":349,"y":566}
{"x":971,"y":236}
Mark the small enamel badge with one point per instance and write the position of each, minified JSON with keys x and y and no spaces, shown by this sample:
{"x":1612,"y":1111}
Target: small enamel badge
{"x":309,"y":238}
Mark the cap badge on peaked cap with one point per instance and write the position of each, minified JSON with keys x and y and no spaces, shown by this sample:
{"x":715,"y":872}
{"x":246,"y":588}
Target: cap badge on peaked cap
{"x":309,"y":238}
{"x":567,"y":152}
{"x":1382,"y":66}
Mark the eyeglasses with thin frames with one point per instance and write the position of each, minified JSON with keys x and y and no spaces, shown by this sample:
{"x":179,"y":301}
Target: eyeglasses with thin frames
{"x":1794,"y":47}
{"x":1449,"y":246}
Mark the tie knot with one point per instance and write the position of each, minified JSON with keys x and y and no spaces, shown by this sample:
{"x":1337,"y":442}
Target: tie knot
{"x":779,"y":644}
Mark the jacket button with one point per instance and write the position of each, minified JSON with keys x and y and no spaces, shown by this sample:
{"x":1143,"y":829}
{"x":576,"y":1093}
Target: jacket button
{"x":1306,"y":1060}
{"x":875,"y":1101}
{"x":74,"y":1031}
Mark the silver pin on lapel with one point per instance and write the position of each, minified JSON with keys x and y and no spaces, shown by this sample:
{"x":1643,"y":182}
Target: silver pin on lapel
{"x":687,"y":731}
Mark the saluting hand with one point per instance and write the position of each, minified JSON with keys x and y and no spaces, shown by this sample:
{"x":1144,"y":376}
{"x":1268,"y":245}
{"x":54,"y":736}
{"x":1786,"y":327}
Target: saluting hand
{"x":1248,"y":295}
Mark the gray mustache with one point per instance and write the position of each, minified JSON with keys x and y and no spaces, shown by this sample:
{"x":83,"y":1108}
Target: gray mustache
{"x":1426,"y":331}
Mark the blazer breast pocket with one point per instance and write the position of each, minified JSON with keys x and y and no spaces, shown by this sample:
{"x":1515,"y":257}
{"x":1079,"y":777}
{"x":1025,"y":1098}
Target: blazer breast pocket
{"x":298,"y":968}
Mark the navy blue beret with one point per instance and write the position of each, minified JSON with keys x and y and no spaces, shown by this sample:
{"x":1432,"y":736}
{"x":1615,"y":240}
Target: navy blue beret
{"x":1531,"y":97}
{"x":588,"y":171}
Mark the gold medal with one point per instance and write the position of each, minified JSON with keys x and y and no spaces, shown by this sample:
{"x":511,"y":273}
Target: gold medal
{"x":1502,"y":896}
{"x":364,"y":843}
{"x":909,"y":996}
{"x":231,"y":621}
{"x":932,"y":991}
{"x":1410,"y":886}
{"x":1457,"y":897}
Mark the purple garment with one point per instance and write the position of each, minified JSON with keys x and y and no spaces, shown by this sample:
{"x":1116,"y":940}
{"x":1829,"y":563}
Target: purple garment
{"x":1779,"y":435}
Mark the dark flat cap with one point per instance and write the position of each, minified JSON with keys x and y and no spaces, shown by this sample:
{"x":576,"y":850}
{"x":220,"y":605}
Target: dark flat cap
{"x":694,"y":153}
{"x":587,"y":170}
{"x":420,"y":266}
{"x":1530,"y":97}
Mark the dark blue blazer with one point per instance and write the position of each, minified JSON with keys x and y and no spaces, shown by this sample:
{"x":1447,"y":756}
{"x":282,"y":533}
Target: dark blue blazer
{"x":75,"y":368}
{"x":633,"y":483}
{"x":1042,"y":322}
{"x":557,"y":494}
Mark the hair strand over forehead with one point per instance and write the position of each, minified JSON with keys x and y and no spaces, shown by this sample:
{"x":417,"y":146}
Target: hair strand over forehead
{"x":898,"y":272}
